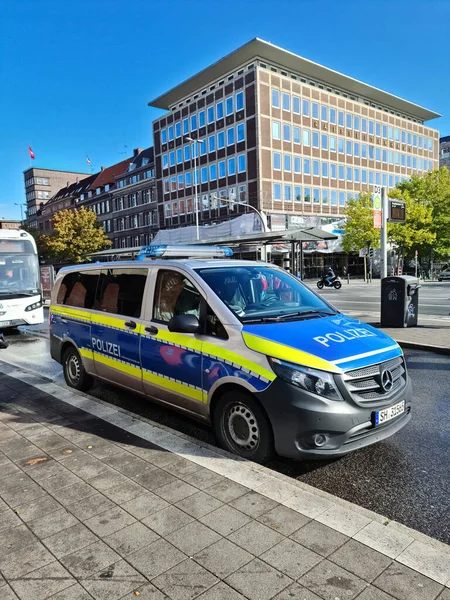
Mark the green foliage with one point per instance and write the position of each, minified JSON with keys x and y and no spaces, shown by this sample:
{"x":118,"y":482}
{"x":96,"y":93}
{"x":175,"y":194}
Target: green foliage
{"x":359,"y":227}
{"x":76,"y":234}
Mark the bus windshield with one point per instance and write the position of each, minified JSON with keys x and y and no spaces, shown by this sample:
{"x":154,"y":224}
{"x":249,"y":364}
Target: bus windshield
{"x":261,"y":294}
{"x":19,"y":268}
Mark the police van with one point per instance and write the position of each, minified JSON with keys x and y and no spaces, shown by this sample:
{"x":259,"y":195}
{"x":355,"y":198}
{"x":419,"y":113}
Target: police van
{"x":242,"y":345}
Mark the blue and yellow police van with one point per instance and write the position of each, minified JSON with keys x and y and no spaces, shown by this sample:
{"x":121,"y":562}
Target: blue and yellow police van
{"x":242,"y":345}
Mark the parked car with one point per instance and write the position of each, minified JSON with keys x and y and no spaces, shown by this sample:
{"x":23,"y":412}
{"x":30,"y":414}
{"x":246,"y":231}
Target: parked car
{"x":444,"y":275}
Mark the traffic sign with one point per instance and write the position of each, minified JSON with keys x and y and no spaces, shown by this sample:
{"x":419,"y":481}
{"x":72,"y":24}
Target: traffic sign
{"x":377,"y":219}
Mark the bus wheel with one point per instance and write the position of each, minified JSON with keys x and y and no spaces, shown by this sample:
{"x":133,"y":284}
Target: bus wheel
{"x":242,"y":427}
{"x":74,"y":371}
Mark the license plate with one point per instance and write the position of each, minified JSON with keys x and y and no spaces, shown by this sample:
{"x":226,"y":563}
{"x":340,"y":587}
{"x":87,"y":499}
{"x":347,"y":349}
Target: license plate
{"x":382,"y":416}
{"x":5,"y":323}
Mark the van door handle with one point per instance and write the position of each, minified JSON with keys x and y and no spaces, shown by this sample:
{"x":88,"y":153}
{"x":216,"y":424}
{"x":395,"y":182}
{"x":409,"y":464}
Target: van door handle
{"x":130,"y":324}
{"x":152,"y":330}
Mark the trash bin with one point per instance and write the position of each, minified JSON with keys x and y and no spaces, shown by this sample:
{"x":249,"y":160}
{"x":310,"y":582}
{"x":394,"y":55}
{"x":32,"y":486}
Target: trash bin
{"x":399,"y":301}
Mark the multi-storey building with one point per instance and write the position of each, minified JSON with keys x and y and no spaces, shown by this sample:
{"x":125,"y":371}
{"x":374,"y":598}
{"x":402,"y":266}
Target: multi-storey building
{"x":9,"y":224}
{"x":284,"y":134}
{"x":122,"y":196}
{"x":43,"y":184}
{"x":444,"y":152}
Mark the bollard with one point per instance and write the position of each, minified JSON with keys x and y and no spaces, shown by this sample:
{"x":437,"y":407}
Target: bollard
{"x":348,"y":278}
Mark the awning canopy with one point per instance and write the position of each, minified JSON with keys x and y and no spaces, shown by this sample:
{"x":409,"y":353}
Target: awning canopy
{"x":309,"y":234}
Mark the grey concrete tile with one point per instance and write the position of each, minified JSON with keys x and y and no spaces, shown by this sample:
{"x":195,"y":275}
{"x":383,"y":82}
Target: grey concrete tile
{"x":221,"y":591}
{"x":227,"y":490}
{"x":180,"y":467}
{"x":43,"y":583}
{"x":59,"y":482}
{"x":167,"y":520}
{"x":283,"y":519}
{"x":185,"y":581}
{"x":157,"y":558}
{"x":255,"y":537}
{"x":373,"y":593}
{"x":131,"y":539}
{"x":444,"y":595}
{"x":199,"y":504}
{"x":124,"y":492}
{"x":192,"y":538}
{"x":404,"y":584}
{"x":175,"y":491}
{"x":329,"y":581}
{"x":90,"y":560}
{"x":155,"y":456}
{"x":8,"y":518}
{"x":253,"y":504}
{"x":22,"y":493}
{"x":145,"y":505}
{"x":130,"y":465}
{"x":430,"y":561}
{"x":296,"y":592}
{"x":203,"y":478}
{"x":66,"y":451}
{"x":360,"y":560}
{"x":225,"y":520}
{"x":291,"y":558}
{"x":154,"y":479}
{"x":25,"y":560}
{"x":113,"y":582}
{"x":74,"y":493}
{"x":40,"y":471}
{"x":8,"y":468}
{"x":109,"y":521}
{"x":71,"y":539}
{"x":91,"y":506}
{"x":50,"y":440}
{"x":75,"y":592}
{"x":223,"y":558}
{"x":86,"y":466}
{"x":258,"y":581}
{"x":103,"y":449}
{"x":319,"y":538}
{"x":38,"y":508}
{"x":108,"y":479}
{"x":146,"y":592}
{"x":7,"y":593}
{"x":52,"y":523}
{"x":12,"y":540}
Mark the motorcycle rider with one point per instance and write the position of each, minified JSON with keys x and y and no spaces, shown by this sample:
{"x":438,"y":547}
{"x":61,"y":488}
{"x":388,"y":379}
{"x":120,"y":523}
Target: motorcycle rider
{"x":329,"y":275}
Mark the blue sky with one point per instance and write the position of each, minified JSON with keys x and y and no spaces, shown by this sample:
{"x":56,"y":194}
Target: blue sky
{"x":77,"y":75}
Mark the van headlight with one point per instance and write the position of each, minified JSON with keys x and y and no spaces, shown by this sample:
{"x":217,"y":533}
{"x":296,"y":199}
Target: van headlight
{"x":317,"y":382}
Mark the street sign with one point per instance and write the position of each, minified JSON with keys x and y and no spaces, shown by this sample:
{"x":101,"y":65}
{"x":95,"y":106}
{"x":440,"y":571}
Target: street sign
{"x":363,"y":252}
{"x":397,"y":211}
{"x":376,"y":203}
{"x":377,"y":219}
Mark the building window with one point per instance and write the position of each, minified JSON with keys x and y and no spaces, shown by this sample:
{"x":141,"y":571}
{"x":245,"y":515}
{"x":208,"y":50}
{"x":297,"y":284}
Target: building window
{"x":348,"y":121}
{"x":356,"y":149}
{"x":296,"y":105}
{"x":220,"y":140}
{"x":341,"y":145}
{"x":163,"y":136}
{"x":324,"y":113}
{"x":306,"y":137}
{"x":180,"y":182}
{"x":333,"y":116}
{"x":222,"y":169}
{"x":297,"y":164}
{"x":287,"y":162}
{"x":341,"y":118}
{"x":239,"y":101}
{"x":333,"y":197}
{"x":325,"y":169}
{"x":188,"y":179}
{"x":276,"y":133}
{"x":187,"y":152}
{"x":306,"y":166}
{"x":193,"y":122}
{"x":178,"y":130}
{"x":341,"y":173}
{"x":349,"y":148}
{"x":324,"y":141}
{"x":170,"y":133}
{"x":230,"y":136}
{"x":371,"y":127}
{"x":240,"y":131}
{"x":219,"y":110}
{"x":229,"y":105}
{"x":241,"y":163}
{"x":296,"y":135}
{"x":275,"y":98}
{"x":185,"y":126}
{"x":210,"y":114}
{"x":356,"y":120}
{"x":173,"y":184}
{"x":287,"y":133}
{"x":307,"y":196}
{"x":288,"y":193}
{"x":212,"y":143}
{"x":231,"y":166}
{"x":203,"y":148}
{"x":212,"y":172}
{"x":277,"y":191}
{"x":204,"y":174}
{"x":316,"y":170}
{"x":297,"y":193}
{"x":315,"y":139}
{"x":276,"y":161}
{"x":286,"y":101}
{"x":332,"y":143}
{"x":356,"y":175}
{"x":333,"y":170}
{"x":179,"y":156}
{"x":364,"y":125}
{"x":305,"y":108}
{"x":349,"y":174}
{"x":315,"y":110}
{"x":341,"y":198}
{"x":172,"y":159}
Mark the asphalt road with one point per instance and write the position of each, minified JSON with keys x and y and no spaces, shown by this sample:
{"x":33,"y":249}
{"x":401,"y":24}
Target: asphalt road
{"x":405,"y":478}
{"x":434,"y":297}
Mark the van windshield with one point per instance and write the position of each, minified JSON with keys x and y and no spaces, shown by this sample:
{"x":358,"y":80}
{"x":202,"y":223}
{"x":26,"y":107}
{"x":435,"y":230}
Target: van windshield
{"x":260,"y":293}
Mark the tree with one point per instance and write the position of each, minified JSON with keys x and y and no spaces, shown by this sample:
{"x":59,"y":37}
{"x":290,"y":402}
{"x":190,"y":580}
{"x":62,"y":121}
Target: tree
{"x":76,"y":233}
{"x":433,"y":191}
{"x":359,"y":227}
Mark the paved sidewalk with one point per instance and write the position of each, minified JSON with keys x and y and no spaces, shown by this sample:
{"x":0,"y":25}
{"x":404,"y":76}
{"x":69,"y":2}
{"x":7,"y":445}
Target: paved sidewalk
{"x":97,"y":503}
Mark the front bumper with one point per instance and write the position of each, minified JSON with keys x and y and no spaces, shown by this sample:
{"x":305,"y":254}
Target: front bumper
{"x":297,"y":416}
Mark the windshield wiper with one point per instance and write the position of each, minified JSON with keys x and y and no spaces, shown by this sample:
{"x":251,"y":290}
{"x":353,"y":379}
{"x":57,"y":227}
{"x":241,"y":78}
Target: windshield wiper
{"x":26,"y":294}
{"x":303,"y":314}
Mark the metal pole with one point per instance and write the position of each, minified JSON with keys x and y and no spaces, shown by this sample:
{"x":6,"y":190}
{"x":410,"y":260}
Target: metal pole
{"x":383,"y":234}
{"x":197,"y":173}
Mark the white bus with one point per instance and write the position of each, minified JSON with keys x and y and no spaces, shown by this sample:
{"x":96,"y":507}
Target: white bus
{"x":20,"y":286}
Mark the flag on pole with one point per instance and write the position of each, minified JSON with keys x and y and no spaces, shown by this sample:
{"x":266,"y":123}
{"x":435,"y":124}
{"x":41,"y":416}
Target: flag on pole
{"x":88,"y":160}
{"x":31,"y":153}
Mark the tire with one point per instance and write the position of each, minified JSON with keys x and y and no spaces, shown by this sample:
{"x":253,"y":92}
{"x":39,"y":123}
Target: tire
{"x":242,"y":427}
{"x":337,"y":285}
{"x":320,"y":285}
{"x":74,"y":371}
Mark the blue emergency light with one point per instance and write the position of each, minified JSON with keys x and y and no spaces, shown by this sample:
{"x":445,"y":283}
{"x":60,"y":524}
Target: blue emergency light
{"x":183,"y":251}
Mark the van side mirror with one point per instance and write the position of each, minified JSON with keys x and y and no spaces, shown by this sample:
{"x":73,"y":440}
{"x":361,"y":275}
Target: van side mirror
{"x":184,"y":324}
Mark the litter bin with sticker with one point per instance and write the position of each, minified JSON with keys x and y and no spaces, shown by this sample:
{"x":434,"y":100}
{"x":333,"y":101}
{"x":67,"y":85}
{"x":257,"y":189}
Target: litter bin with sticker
{"x":399,"y":301}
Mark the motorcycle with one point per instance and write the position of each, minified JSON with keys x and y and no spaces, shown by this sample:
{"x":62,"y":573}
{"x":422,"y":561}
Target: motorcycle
{"x":334,"y":282}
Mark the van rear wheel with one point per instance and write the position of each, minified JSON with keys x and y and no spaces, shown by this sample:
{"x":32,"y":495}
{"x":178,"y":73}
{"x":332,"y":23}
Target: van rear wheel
{"x":242,"y":427}
{"x":74,"y":371}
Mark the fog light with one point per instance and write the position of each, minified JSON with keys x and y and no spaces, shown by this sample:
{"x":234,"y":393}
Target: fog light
{"x":320,"y":439}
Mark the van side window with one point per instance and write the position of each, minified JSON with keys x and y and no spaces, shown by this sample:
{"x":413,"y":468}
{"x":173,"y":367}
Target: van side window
{"x":213,"y":326}
{"x":78,"y":289}
{"x":175,"y":295}
{"x":121,"y":291}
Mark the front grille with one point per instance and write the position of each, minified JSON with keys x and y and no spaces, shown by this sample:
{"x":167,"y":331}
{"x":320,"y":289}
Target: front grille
{"x":365,"y":386}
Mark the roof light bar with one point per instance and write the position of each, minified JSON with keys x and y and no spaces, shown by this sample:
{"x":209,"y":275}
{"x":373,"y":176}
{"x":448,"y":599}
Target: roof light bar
{"x":183,"y":251}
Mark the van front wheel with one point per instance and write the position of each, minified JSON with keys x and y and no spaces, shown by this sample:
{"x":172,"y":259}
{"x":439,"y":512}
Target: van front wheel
{"x":74,"y":371}
{"x":242,"y":427}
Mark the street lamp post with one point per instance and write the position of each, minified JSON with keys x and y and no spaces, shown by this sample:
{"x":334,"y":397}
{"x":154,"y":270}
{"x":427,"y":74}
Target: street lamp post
{"x":196,"y":175}
{"x":21,"y":204}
